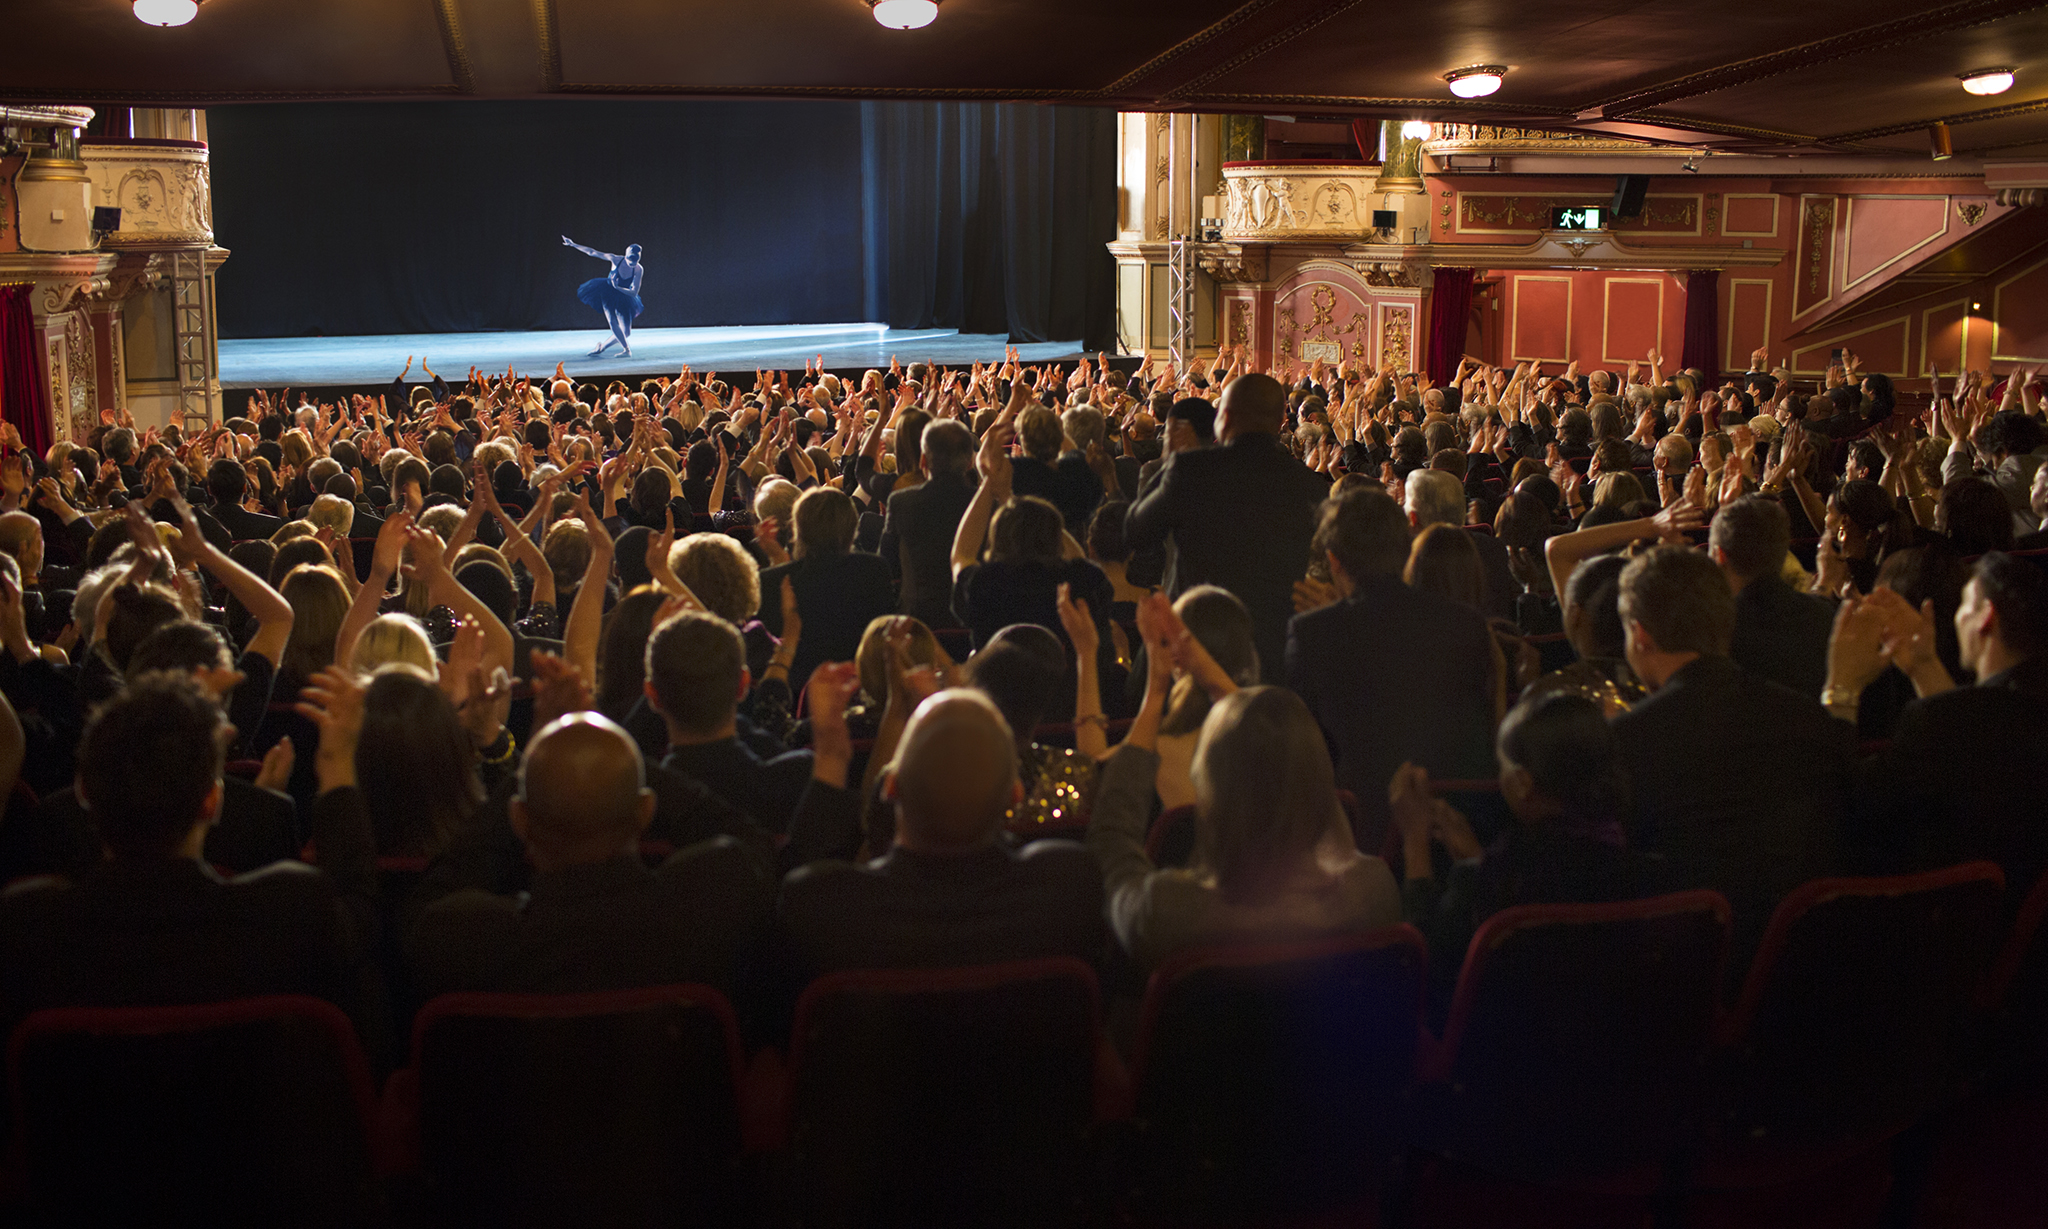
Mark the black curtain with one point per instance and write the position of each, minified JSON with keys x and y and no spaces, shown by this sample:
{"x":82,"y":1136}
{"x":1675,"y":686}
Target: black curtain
{"x":348,"y":218}
{"x":990,"y":218}
{"x":363,"y":218}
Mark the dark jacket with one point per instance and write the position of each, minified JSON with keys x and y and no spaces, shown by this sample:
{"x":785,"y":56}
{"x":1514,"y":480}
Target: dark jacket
{"x":1740,"y":784}
{"x":611,"y":925}
{"x":917,"y":544}
{"x":837,"y":597}
{"x":151,"y":931}
{"x":1067,"y":483}
{"x":919,"y":910}
{"x":1782,"y":634}
{"x":1395,"y":674}
{"x":1240,"y":515}
{"x":243,"y":525}
{"x":1962,"y":780}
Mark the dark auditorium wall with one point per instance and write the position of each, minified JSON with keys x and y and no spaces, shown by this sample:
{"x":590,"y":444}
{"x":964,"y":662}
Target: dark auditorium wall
{"x":354,"y":218}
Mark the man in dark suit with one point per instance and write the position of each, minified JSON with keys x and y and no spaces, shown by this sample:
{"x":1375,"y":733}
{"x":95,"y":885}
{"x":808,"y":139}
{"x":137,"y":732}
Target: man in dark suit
{"x":1780,"y":633}
{"x":1437,"y":498}
{"x":949,"y":892}
{"x":1962,"y":777}
{"x":917,"y":536}
{"x":226,"y":482}
{"x":1739,"y":783}
{"x":1239,"y":516}
{"x":596,"y":918}
{"x":696,"y":673}
{"x":1392,"y":674}
{"x":156,"y":924}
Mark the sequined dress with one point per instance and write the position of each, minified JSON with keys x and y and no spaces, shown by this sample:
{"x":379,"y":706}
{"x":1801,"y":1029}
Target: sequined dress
{"x":1059,"y":787}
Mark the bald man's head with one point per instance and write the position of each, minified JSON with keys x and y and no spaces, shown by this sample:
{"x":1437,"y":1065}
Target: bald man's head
{"x":1253,"y":404}
{"x":583,"y":793}
{"x":955,"y":773}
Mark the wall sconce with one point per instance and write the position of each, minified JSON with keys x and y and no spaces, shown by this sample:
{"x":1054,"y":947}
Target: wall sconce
{"x":1939,"y":143}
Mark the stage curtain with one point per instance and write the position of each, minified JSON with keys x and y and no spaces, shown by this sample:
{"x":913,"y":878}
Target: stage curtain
{"x":365,"y":218}
{"x":989,"y":218}
{"x":1702,"y":324}
{"x":24,"y":396}
{"x":1450,"y":311}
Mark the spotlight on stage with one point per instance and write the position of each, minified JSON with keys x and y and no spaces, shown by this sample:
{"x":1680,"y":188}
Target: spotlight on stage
{"x":897,"y":14}
{"x":165,"y":12}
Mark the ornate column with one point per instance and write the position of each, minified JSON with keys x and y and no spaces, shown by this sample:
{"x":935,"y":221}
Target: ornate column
{"x":164,"y":302}
{"x":46,"y":239}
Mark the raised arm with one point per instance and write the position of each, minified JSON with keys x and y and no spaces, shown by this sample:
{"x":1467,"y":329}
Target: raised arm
{"x":586,"y":615}
{"x":272,"y":613}
{"x":384,"y":558}
{"x":1565,"y":551}
{"x":568,"y":242}
{"x":995,"y":487}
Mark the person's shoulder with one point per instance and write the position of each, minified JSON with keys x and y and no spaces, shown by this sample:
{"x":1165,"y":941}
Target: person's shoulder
{"x":824,"y":888}
{"x":1060,"y":861}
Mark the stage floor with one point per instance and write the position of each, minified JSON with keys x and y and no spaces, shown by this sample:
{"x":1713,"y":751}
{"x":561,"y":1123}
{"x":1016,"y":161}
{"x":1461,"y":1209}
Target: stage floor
{"x":310,"y":362}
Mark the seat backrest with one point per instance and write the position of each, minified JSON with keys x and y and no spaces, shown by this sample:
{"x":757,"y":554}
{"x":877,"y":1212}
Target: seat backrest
{"x":944,"y":1096}
{"x":2018,"y":983}
{"x":1578,"y":1035}
{"x":612,"y":1108}
{"x":244,"y":1112}
{"x":1267,"y":1073}
{"x":1851,"y":1021}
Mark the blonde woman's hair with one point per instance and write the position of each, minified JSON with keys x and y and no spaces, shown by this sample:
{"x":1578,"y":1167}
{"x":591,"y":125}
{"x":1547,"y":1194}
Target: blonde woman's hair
{"x":478,"y":552}
{"x":296,"y":448}
{"x":319,"y":604}
{"x":332,"y":512}
{"x":1265,"y":792}
{"x":721,"y":573}
{"x":393,"y":638}
{"x":293,"y":529}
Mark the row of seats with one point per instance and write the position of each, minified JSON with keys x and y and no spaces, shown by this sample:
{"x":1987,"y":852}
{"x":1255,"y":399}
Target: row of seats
{"x":1587,"y":1049}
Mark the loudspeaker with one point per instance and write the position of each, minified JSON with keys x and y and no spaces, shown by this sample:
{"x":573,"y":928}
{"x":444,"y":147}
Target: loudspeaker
{"x":106,"y":218}
{"x":1629,"y":191}
{"x":1385,"y":219}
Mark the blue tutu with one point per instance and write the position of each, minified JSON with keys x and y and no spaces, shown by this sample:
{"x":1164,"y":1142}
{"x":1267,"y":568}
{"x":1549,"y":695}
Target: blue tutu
{"x":599,"y":292}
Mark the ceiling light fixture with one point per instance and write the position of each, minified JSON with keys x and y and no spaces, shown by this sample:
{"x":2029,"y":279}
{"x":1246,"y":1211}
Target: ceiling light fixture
{"x":166,"y":12}
{"x":904,"y":14}
{"x":1416,"y":130}
{"x":1477,"y":81}
{"x":1987,"y":80}
{"x":1939,"y":144}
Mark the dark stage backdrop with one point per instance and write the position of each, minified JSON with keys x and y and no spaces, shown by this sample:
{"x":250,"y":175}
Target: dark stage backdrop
{"x":353,"y":218}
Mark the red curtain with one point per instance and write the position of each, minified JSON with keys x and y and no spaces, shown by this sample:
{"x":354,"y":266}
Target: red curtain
{"x":1702,"y":315}
{"x":24,"y":395}
{"x":1365,"y":133}
{"x":1450,"y":311}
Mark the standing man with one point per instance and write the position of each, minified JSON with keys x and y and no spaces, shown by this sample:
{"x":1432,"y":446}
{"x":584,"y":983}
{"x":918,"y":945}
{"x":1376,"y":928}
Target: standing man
{"x":1240,"y":515}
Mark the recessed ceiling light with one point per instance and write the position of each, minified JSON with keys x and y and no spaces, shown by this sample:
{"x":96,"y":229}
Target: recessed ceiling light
{"x":904,"y":14}
{"x":1416,"y":130}
{"x":1477,"y":81}
{"x":1987,"y":80}
{"x":166,"y":12}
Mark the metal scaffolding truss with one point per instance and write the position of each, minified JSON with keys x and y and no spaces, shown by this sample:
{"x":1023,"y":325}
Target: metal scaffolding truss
{"x":1181,"y":238}
{"x":192,"y":338}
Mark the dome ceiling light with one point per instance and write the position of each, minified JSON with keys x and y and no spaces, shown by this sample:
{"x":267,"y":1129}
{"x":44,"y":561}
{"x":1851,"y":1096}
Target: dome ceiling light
{"x":165,"y":12}
{"x":901,"y":14}
{"x":1987,"y":80}
{"x":1477,"y":81}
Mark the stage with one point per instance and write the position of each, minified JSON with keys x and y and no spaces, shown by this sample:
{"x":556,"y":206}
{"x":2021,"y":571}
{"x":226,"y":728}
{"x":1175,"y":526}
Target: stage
{"x":317,"y":362}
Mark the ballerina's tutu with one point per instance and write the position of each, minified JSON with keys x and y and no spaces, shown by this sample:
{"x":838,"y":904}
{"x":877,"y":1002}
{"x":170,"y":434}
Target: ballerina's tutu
{"x":599,"y":292}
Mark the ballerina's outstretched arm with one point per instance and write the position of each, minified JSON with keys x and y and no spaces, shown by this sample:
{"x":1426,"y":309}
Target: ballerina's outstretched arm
{"x":568,"y":242}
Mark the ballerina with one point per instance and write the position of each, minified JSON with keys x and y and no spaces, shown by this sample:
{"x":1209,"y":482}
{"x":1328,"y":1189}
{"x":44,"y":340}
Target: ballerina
{"x":616,"y":295}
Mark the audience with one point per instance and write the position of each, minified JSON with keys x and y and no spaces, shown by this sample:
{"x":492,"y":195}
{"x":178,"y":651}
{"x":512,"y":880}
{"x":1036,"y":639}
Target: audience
{"x":545,"y":746}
